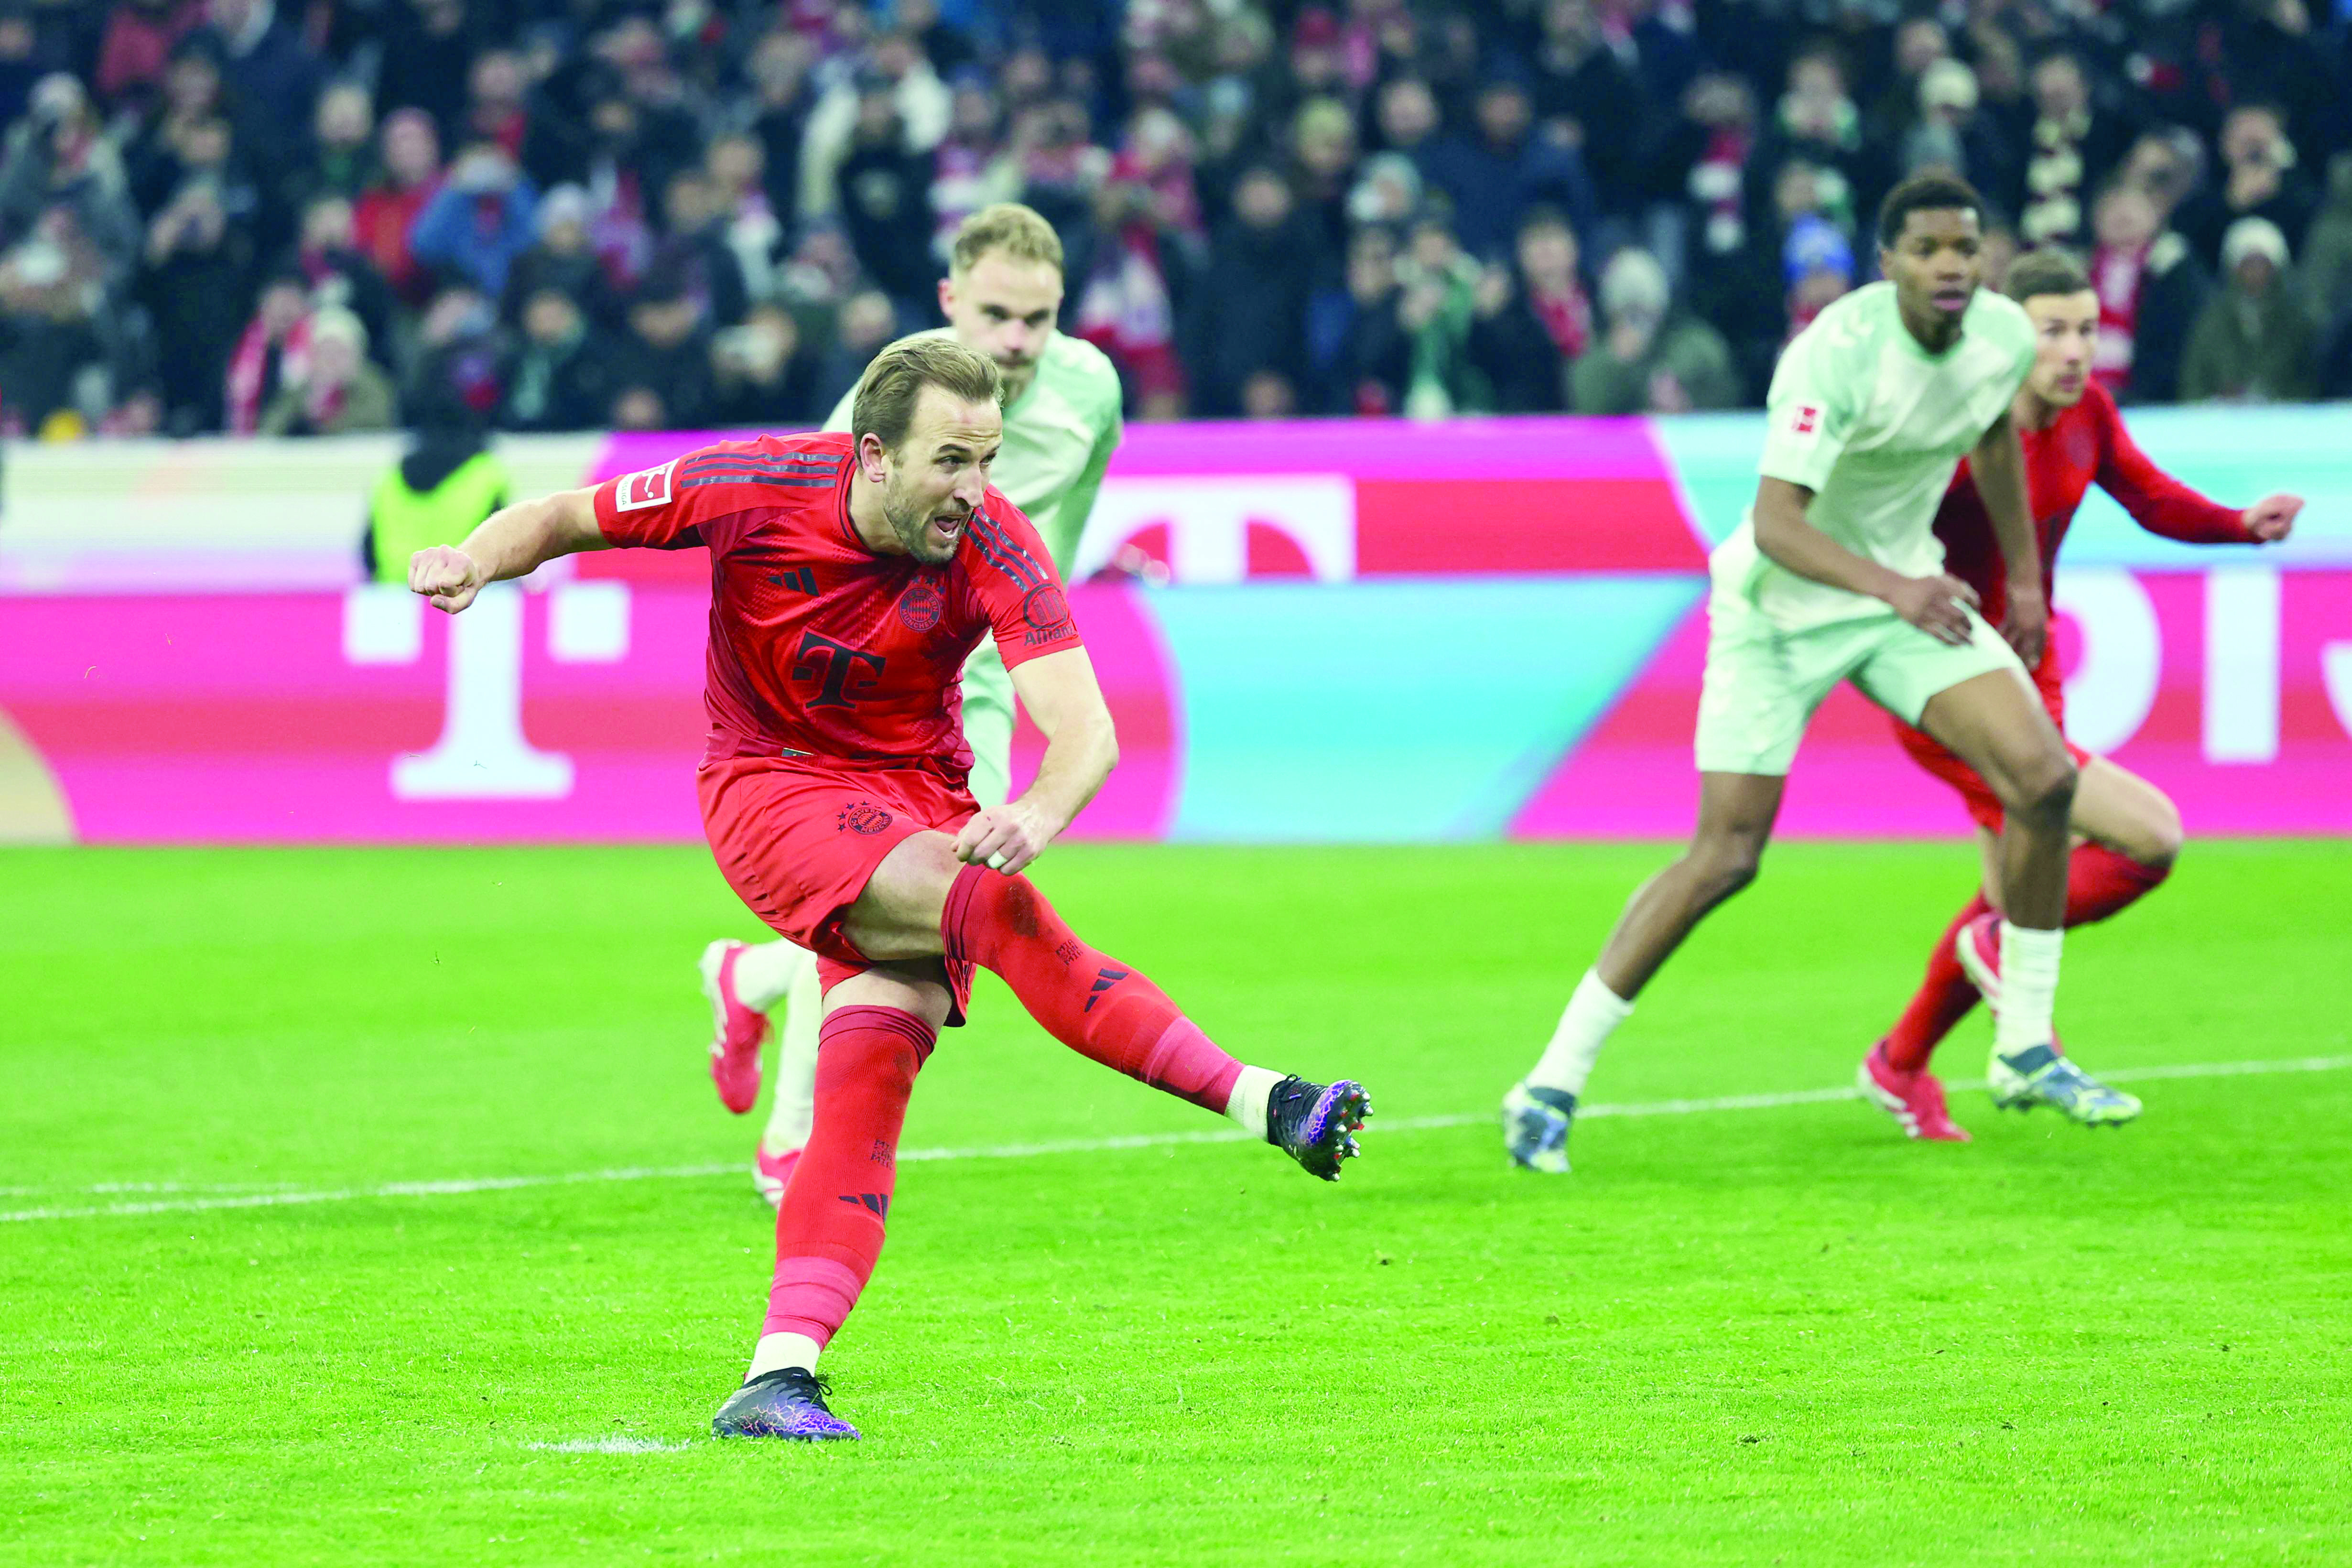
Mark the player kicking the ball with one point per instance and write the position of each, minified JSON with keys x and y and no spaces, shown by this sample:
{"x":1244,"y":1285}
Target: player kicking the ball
{"x":1836,"y":575}
{"x":851,"y":575}
{"x":2127,"y":830}
{"x":1002,"y":293}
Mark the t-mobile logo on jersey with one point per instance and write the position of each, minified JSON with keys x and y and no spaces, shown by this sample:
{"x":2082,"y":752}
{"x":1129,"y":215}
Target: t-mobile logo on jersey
{"x":836,"y":667}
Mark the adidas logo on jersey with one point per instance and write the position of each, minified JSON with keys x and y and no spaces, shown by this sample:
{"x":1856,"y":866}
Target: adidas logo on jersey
{"x":800,"y":580}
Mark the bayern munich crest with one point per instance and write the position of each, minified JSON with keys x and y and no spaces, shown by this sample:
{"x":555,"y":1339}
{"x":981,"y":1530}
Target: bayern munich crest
{"x":864,"y":818}
{"x":921,"y":605}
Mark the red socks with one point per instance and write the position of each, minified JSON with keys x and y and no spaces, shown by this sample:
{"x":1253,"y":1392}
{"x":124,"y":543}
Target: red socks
{"x":1086,"y":999}
{"x":829,"y":1227}
{"x":2099,"y":882}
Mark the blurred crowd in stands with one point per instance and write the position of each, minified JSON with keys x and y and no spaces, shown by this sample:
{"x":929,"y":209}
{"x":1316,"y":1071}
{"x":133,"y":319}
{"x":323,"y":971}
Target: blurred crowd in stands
{"x":321,"y":215}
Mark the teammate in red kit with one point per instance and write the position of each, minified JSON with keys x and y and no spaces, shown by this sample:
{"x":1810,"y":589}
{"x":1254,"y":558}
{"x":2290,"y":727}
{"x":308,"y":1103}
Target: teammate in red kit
{"x":851,"y":575}
{"x":2127,"y":830}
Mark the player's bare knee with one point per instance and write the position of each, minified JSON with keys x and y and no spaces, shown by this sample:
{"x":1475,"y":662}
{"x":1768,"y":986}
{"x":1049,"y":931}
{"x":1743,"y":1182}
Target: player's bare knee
{"x":2156,"y":840}
{"x":2041,"y":789}
{"x":1720,"y":866}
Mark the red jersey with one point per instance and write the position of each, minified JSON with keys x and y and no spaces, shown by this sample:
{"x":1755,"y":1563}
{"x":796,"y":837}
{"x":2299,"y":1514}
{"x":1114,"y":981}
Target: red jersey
{"x":819,"y":647}
{"x":2085,"y":443}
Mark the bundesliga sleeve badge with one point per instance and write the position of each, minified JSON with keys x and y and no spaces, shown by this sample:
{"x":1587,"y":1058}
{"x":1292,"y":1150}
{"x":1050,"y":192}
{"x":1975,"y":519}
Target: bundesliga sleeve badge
{"x":640,"y":491}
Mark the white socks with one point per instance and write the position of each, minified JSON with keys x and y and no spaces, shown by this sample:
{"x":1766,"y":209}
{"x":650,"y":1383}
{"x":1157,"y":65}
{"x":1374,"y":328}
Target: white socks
{"x":781,"y":1350}
{"x":793,"y":1111}
{"x":765,"y":971}
{"x":1251,"y":1090}
{"x":1591,"y":1015}
{"x":2029,"y":987}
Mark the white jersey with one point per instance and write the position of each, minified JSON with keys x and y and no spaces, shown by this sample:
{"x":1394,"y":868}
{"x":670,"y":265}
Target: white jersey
{"x":1875,"y":425}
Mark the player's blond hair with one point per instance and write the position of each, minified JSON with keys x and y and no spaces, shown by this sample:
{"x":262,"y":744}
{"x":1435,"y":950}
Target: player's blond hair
{"x":1008,"y":226}
{"x":887,"y":393}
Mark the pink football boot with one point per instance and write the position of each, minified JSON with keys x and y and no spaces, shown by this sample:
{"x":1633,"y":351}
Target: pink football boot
{"x":1915,"y":1100}
{"x":770,"y":1172}
{"x":737,"y":1032}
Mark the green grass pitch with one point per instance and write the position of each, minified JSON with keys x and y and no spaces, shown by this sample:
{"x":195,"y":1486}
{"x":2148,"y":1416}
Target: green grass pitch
{"x":1779,"y":1335}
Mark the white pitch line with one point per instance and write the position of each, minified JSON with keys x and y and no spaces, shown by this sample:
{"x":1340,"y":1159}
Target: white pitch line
{"x":455,"y":1187}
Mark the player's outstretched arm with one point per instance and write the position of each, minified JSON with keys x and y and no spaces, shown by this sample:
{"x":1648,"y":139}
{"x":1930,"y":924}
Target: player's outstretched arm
{"x":512,"y":541}
{"x":1081,"y":747}
{"x":1999,"y":466}
{"x":1933,"y":604}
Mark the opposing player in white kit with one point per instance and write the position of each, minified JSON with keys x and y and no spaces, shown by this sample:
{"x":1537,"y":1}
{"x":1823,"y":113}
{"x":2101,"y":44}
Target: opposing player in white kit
{"x":1062,"y":423}
{"x":1836,"y":575}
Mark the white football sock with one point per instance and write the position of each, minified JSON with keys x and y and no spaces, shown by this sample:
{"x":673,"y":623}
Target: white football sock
{"x":1585,"y":1025}
{"x":779,"y":1350}
{"x":1251,"y":1090}
{"x":2029,"y":987}
{"x":765,"y":971}
{"x":794,"y":1111}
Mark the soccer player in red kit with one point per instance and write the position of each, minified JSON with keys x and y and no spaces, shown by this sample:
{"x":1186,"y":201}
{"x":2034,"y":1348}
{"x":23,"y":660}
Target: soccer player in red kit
{"x":851,"y":575}
{"x":2126,"y":830}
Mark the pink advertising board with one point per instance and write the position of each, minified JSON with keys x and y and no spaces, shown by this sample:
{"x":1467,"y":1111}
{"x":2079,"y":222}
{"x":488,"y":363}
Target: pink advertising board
{"x":1368,"y":630}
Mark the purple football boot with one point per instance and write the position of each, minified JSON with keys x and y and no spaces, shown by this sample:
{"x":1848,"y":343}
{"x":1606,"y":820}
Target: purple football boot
{"x":786,"y":1403}
{"x":1314,"y":1124}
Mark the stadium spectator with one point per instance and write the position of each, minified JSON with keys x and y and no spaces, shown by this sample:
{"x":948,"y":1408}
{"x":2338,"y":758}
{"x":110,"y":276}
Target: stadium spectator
{"x":971,"y":168}
{"x":2325,"y":273}
{"x":883,"y":194}
{"x":662,"y":360}
{"x":474,"y":225}
{"x":1125,"y":300}
{"x":1817,"y":267}
{"x":1494,"y":175}
{"x":1251,"y":312}
{"x":1356,"y":340}
{"x":1817,"y":129}
{"x":696,"y":252}
{"x":387,"y":210}
{"x":427,"y":50}
{"x":867,"y":321}
{"x":21,"y":66}
{"x":2151,"y":290}
{"x":456,"y":369}
{"x":343,"y":159}
{"x":846,"y":115}
{"x":736,"y":165}
{"x":327,"y":255}
{"x":331,"y":390}
{"x":1649,"y":359}
{"x":196,"y":279}
{"x":559,"y":374}
{"x":1587,"y":98}
{"x":2254,"y":343}
{"x":761,"y":376}
{"x":1437,"y":307}
{"x":138,"y":42}
{"x":562,"y":258}
{"x":274,"y":74}
{"x":2073,"y":145}
{"x":1951,"y":133}
{"x":1534,"y":319}
{"x":783,"y":99}
{"x":270,"y":353}
{"x":1322,"y":158}
{"x":2258,"y":179}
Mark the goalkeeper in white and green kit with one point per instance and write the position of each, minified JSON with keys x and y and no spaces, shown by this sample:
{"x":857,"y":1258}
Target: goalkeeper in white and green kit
{"x":1837,"y":575}
{"x":1002,"y":294}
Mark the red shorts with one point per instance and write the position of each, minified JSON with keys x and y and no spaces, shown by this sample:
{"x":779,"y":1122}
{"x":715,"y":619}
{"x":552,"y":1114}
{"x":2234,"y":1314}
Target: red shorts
{"x":799,"y":844}
{"x":1984,"y":806}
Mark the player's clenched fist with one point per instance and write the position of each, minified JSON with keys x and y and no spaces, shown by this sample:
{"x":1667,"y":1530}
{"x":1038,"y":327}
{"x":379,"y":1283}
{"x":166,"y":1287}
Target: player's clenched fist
{"x":1002,"y":838}
{"x":1938,"y":605}
{"x":2272,"y":519}
{"x":447,"y":576}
